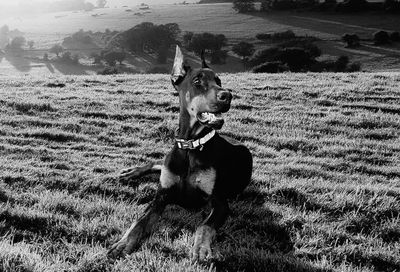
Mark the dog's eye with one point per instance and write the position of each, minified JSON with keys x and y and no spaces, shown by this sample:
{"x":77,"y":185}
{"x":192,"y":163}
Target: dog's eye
{"x":196,"y":81}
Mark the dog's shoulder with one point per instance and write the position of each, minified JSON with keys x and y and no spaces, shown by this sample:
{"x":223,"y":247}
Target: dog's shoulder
{"x":230,"y":140}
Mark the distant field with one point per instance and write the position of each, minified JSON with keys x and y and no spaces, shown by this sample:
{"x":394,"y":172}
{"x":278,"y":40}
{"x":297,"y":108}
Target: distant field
{"x":325,"y":194}
{"x":49,"y":29}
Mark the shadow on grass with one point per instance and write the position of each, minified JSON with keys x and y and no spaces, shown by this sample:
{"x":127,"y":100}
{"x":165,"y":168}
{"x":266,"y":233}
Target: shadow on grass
{"x":19,"y":62}
{"x":252,"y":239}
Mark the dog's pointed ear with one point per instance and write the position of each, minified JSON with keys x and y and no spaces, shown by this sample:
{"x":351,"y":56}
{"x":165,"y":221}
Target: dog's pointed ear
{"x":203,"y":60}
{"x":180,"y":68}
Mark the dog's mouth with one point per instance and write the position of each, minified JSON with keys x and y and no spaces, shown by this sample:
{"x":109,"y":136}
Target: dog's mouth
{"x":211,"y":119}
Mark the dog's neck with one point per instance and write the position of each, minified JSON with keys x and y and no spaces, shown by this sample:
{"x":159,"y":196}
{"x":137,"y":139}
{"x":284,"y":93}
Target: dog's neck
{"x":189,"y":129}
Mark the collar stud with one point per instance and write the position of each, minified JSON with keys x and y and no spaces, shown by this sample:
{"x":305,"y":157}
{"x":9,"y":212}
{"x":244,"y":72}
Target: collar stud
{"x":194,"y":144}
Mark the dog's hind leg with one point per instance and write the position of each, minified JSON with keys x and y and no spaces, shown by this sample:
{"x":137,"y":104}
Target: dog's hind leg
{"x":128,"y":175}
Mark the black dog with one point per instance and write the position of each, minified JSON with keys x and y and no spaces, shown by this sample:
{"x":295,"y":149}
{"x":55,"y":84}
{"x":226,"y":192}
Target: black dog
{"x":201,"y":168}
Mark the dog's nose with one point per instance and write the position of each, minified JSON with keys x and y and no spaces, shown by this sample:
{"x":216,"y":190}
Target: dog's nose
{"x":224,"y":96}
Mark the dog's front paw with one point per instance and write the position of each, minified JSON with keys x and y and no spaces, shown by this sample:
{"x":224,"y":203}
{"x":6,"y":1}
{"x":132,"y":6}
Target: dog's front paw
{"x":202,"y":245}
{"x":130,"y":174}
{"x":125,"y":246}
{"x":119,"y":249}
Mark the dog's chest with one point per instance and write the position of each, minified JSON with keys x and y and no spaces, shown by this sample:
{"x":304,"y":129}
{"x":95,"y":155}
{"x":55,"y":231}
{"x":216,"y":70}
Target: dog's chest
{"x":193,"y":180}
{"x":203,"y":180}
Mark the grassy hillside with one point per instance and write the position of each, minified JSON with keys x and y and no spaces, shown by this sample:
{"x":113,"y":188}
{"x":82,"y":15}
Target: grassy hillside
{"x":324,"y":197}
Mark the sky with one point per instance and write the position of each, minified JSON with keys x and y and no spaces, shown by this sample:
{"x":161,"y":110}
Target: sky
{"x":25,"y":7}
{"x":110,"y":2}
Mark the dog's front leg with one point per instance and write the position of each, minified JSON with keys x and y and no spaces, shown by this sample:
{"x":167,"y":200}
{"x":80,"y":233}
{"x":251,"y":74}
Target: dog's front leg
{"x":142,"y":227}
{"x":207,"y":231}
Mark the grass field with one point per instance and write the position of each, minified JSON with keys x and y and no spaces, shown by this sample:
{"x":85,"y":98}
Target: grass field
{"x":324,"y":197}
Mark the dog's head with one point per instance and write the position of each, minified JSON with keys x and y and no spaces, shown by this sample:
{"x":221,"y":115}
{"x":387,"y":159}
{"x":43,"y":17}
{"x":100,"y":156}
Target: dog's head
{"x":200,"y":92}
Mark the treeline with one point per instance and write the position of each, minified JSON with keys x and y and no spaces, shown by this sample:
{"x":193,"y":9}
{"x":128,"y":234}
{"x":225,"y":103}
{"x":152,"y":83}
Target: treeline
{"x":147,"y":38}
{"x":293,"y":53}
{"x":214,"y":1}
{"x":285,"y":51}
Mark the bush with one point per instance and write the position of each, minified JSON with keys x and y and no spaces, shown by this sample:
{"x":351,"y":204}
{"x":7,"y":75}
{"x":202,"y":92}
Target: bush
{"x":322,"y":66}
{"x":243,"y":6}
{"x":96,"y":58}
{"x":354,"y":67}
{"x":296,"y":58}
{"x":277,"y":36}
{"x":17,"y":42}
{"x":395,"y":36}
{"x":284,"y":35}
{"x":111,"y":57}
{"x":270,"y":67}
{"x":341,"y":64}
{"x":392,"y":6}
{"x":219,"y":57}
{"x":162,"y":55}
{"x":266,"y":5}
{"x":262,"y":56}
{"x":381,"y":37}
{"x":157,"y":70}
{"x":303,"y":42}
{"x":243,"y":49}
{"x":351,"y":40}
{"x":82,"y":37}
{"x":284,"y":5}
{"x":352,"y":6}
{"x":67,"y":57}
{"x":75,"y":59}
{"x":187,"y":37}
{"x":263,"y":36}
{"x":108,"y":71}
{"x":328,"y":5}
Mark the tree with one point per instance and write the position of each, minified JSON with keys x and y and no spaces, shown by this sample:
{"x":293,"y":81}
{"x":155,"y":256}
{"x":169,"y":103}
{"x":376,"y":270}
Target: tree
{"x":66,"y":57}
{"x":148,"y":37}
{"x":96,"y":58}
{"x":89,"y":6}
{"x":113,"y":56}
{"x":244,"y":50}
{"x":17,"y":42}
{"x":31,"y":44}
{"x":265,"y":5}
{"x":218,"y":57}
{"x":351,"y":40}
{"x":101,"y":3}
{"x":4,"y":30}
{"x":206,"y":41}
{"x":79,"y":37}
{"x":120,"y":57}
{"x":210,"y":43}
{"x":381,"y":37}
{"x":243,"y":6}
{"x":56,"y":49}
{"x":187,"y":37}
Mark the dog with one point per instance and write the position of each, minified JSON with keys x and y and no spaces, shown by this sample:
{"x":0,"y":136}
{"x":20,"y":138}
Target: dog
{"x":202,"y":168}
